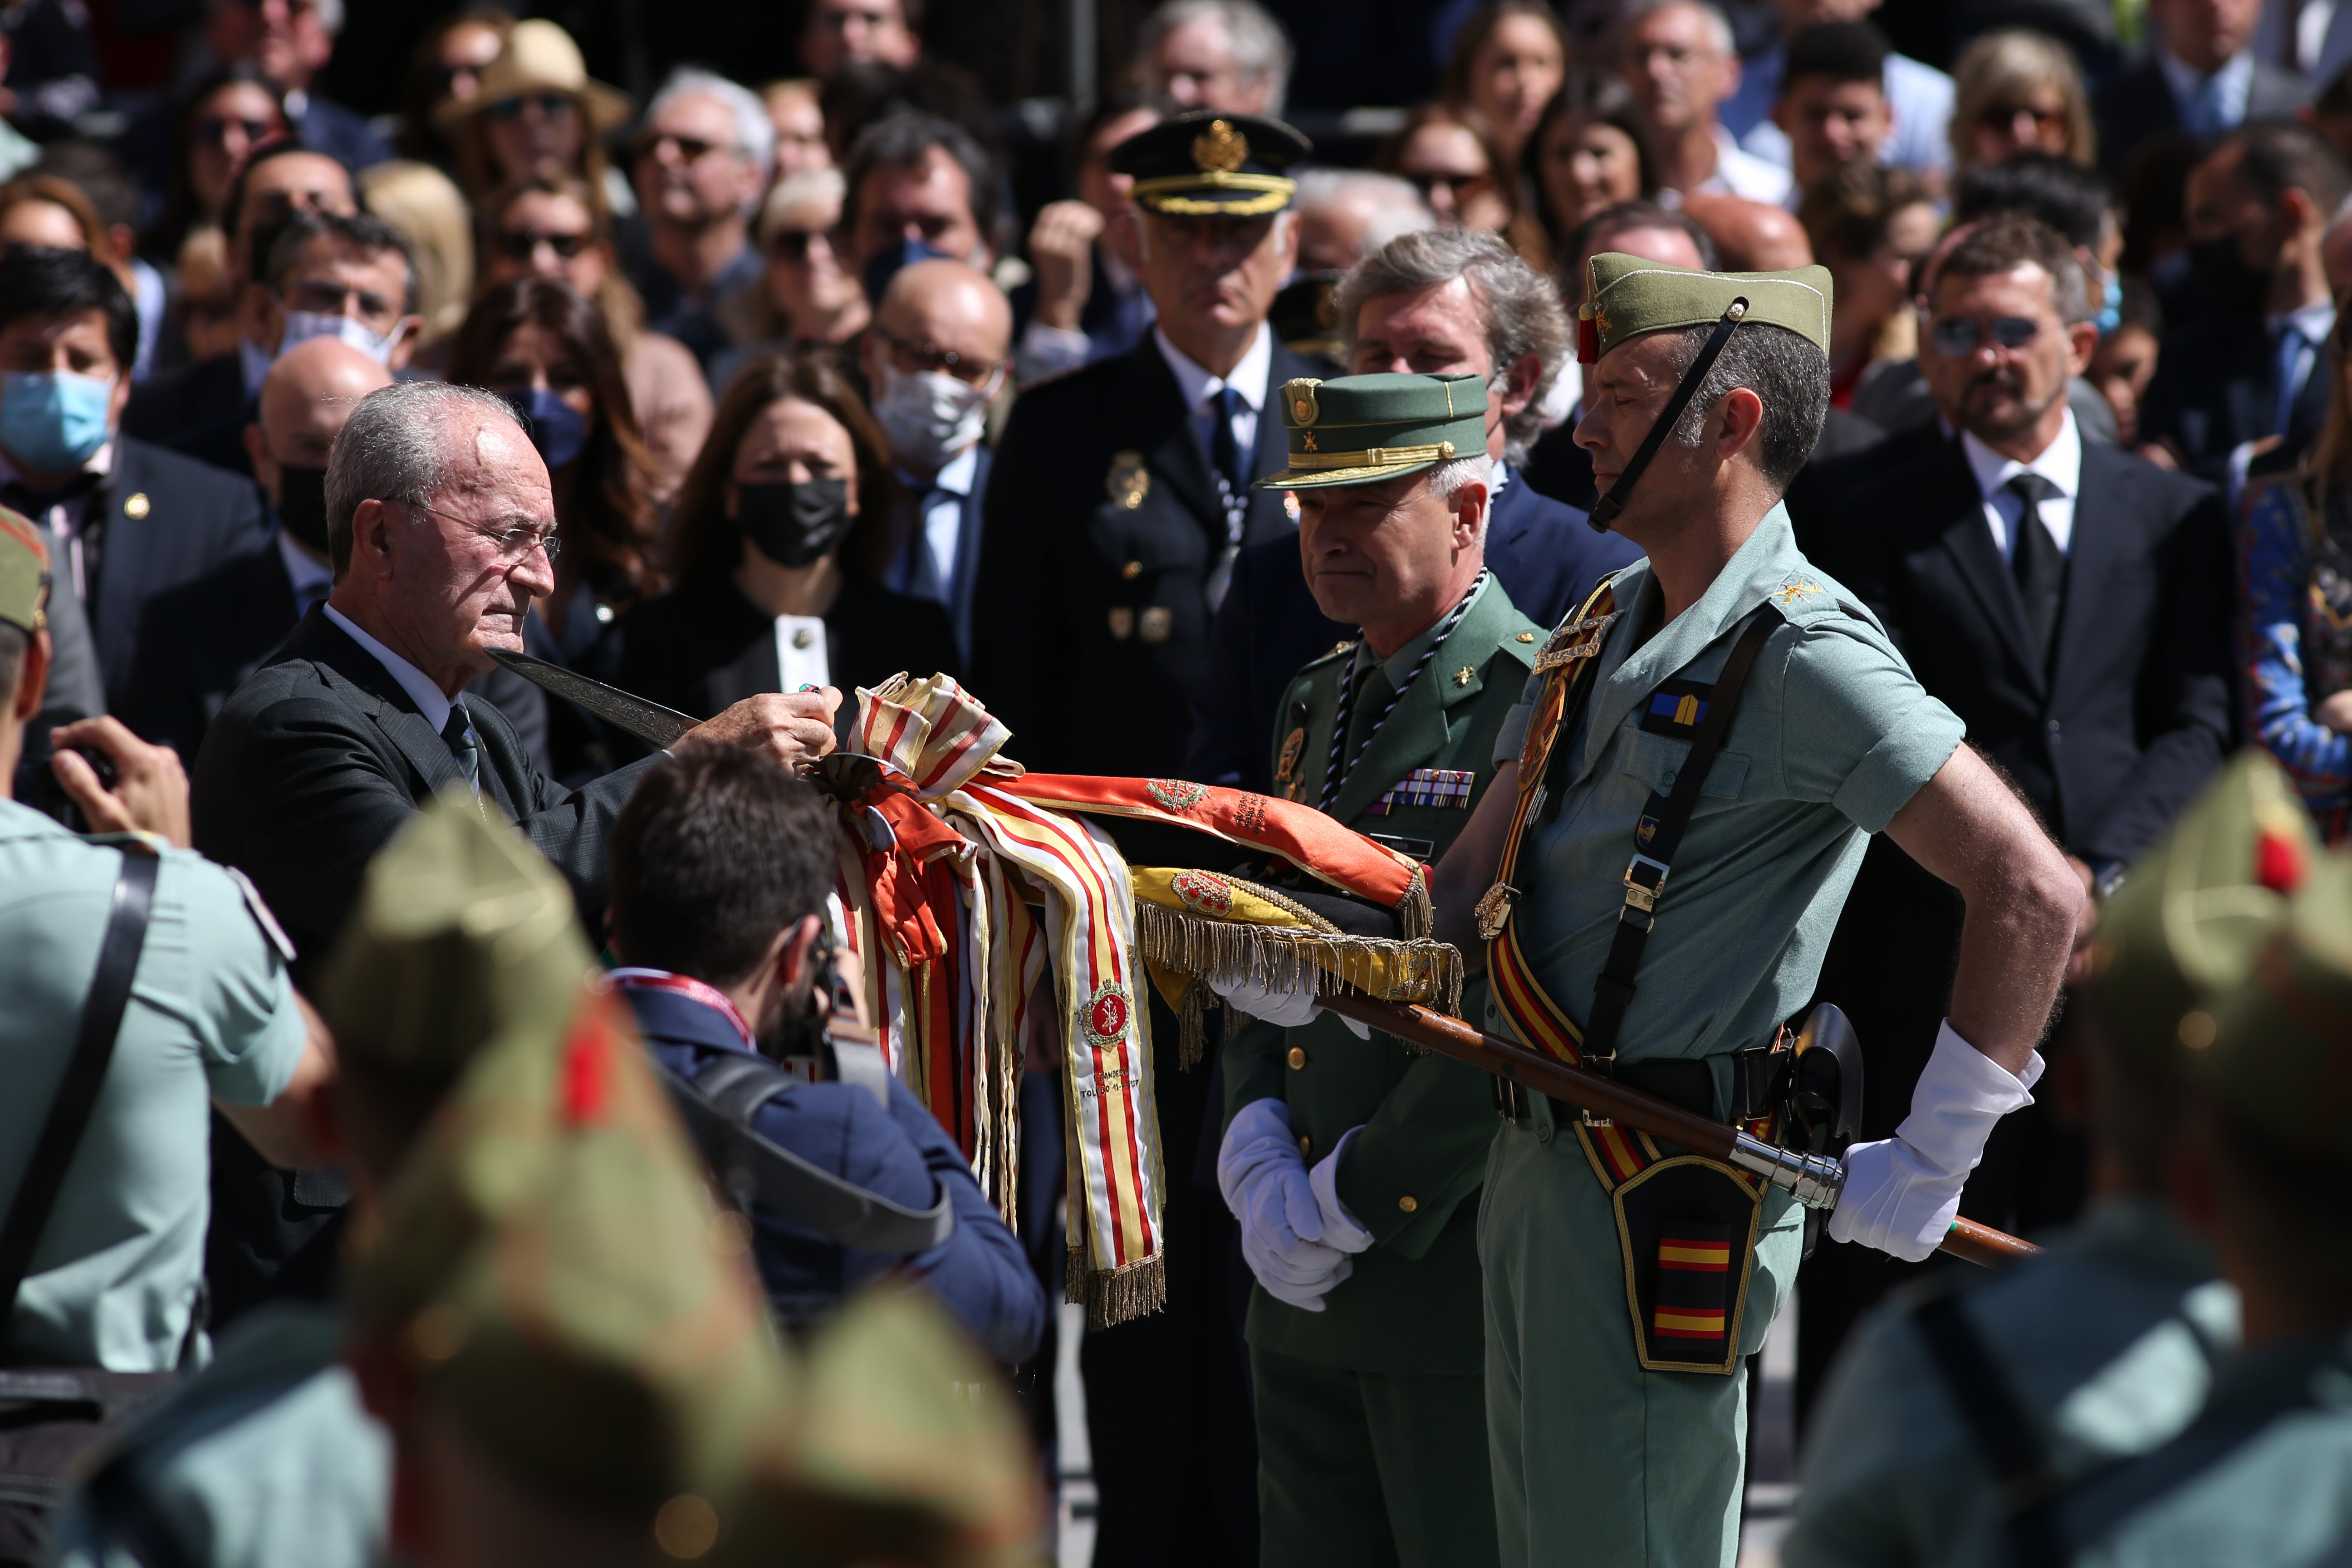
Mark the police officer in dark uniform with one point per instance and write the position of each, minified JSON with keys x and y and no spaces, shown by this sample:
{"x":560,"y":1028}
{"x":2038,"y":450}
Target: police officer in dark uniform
{"x":1121,"y":492}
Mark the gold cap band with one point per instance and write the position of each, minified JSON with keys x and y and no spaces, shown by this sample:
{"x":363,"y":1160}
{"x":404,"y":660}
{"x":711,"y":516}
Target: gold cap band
{"x":1374,"y":457}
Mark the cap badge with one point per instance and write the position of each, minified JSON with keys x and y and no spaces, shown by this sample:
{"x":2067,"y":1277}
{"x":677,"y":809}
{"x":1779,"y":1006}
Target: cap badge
{"x":1128,"y":481}
{"x":1220,"y":149}
{"x":1306,"y":443}
{"x":1299,"y":393}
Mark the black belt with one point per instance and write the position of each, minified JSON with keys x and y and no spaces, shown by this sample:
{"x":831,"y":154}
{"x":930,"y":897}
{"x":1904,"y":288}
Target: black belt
{"x":1686,"y":1081}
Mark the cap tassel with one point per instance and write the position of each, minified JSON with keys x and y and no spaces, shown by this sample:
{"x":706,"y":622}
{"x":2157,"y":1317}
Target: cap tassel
{"x":1587,"y":340}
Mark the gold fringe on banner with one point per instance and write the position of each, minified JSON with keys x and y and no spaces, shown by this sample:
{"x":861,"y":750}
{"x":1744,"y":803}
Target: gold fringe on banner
{"x":1227,"y":952}
{"x":1114,"y":1298}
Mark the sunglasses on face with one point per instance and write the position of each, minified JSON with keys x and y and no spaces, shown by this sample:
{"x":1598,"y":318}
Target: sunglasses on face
{"x":1955,"y":336}
{"x":550,"y":104}
{"x":214,"y":132}
{"x":793,"y":244}
{"x":1457,"y":183}
{"x":523,"y":244}
{"x":1997,"y":116}
{"x":689,"y":148}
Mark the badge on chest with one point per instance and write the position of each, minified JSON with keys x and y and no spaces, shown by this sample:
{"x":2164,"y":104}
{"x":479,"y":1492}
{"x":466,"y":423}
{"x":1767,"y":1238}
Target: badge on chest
{"x":1442,"y":787}
{"x":1677,"y":709}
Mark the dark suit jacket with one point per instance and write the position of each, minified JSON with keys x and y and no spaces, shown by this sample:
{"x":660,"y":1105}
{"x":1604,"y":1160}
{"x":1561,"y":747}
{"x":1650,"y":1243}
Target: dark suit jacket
{"x":2217,"y":385}
{"x":169,"y":521}
{"x":2137,"y":107}
{"x":2134,"y":711}
{"x":320,"y":757}
{"x":1546,"y":556}
{"x":219,"y":442}
{"x":176,"y":402}
{"x":1071,"y":578}
{"x":704,"y":647}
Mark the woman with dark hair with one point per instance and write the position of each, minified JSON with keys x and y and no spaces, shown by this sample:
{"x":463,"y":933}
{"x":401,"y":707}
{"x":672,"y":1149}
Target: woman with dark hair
{"x":1445,"y":155}
{"x":544,"y":349}
{"x":447,"y":69}
{"x":232,"y":111}
{"x":777,"y":545}
{"x":1590,"y":151}
{"x":1506,"y":63}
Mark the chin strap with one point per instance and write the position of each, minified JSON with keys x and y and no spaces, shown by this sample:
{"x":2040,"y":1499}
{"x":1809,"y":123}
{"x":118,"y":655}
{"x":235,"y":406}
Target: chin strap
{"x":1604,"y":511}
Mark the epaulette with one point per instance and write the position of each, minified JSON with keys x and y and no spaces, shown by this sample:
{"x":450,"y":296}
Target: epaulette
{"x":1803,"y":599}
{"x":1347,"y":645}
{"x":1523,"y":644}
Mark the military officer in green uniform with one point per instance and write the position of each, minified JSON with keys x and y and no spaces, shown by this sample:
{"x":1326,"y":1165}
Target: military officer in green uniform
{"x":1679,"y":807}
{"x":2263,"y":1479}
{"x":1365,"y":1330}
{"x":1956,"y":1413}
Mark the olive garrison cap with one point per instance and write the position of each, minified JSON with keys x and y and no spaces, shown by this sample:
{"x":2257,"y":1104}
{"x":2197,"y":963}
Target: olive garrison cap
{"x":1360,"y":429}
{"x":1626,"y":296}
{"x":462,"y":933}
{"x":1204,"y":164}
{"x":24,"y":573}
{"x":2194,"y":909}
{"x":2280,"y":1058}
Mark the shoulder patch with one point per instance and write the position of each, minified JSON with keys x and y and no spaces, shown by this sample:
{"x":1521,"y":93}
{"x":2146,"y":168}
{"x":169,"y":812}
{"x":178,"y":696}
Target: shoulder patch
{"x":274,"y":933}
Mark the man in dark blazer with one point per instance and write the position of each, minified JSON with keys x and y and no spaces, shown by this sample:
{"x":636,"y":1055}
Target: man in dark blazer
{"x":324,"y":753}
{"x":127,"y":519}
{"x":2071,"y":603}
{"x":2254,"y":370}
{"x":2198,"y":75}
{"x":1437,"y":302}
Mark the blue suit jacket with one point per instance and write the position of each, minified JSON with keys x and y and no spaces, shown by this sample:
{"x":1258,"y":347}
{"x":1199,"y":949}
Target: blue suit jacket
{"x":979,"y":1273}
{"x":1544,"y":553}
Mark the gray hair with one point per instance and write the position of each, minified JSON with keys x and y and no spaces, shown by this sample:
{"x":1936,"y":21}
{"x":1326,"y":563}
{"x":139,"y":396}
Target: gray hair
{"x":1787,"y":372}
{"x":1261,"y":49}
{"x":1476,"y":469}
{"x":1396,"y":207}
{"x":1519,"y":305}
{"x":396,"y":446}
{"x":1718,"y":25}
{"x":755,"y":133}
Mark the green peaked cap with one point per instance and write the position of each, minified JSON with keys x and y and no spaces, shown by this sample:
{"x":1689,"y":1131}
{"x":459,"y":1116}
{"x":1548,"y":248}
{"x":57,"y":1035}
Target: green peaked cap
{"x":1627,"y":296}
{"x":24,"y":573}
{"x":2281,"y":1057}
{"x":1360,"y":429}
{"x":462,"y":933}
{"x":2194,"y":911}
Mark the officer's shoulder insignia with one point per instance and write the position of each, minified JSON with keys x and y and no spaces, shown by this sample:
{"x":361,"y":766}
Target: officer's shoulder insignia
{"x":1521,"y":646}
{"x":1525,"y":636}
{"x":1340,"y":647}
{"x":1128,"y":481}
{"x":1796,"y":591}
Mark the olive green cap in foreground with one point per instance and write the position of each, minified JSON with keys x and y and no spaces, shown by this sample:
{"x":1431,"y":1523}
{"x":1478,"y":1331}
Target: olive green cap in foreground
{"x":462,"y":934}
{"x":24,"y":573}
{"x":2280,"y":1058}
{"x":1626,"y":296}
{"x":1360,"y":429}
{"x":2194,"y":911}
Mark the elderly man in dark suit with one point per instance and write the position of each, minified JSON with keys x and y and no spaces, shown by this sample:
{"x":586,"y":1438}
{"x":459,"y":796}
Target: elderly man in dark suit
{"x":440,"y":526}
{"x":1447,"y":302}
{"x":2199,"y":76}
{"x":2071,"y":603}
{"x":124,"y":520}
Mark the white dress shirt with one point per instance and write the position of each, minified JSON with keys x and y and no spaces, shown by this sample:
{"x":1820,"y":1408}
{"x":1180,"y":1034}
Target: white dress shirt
{"x":2061,"y":463}
{"x":1249,"y":379}
{"x":2233,"y":84}
{"x":942,"y":532}
{"x":312,"y":579}
{"x":1742,"y":173}
{"x":430,"y":700}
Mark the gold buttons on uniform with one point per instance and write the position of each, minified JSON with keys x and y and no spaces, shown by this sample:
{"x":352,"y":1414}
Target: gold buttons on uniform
{"x":135,"y":506}
{"x":1297,"y":1056}
{"x":1305,"y":1144}
{"x":1407,"y":1203}
{"x":1526,"y":636}
{"x":1131,"y":571}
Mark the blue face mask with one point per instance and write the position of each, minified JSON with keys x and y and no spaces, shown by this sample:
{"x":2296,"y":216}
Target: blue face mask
{"x":54,"y":420}
{"x":2111,"y":306}
{"x":885,"y":264}
{"x":557,"y":429}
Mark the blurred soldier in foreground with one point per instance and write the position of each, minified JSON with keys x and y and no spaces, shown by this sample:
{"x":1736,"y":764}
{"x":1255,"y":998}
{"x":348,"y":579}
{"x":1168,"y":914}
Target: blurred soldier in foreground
{"x":1952,"y":1416}
{"x":1354,"y":1167}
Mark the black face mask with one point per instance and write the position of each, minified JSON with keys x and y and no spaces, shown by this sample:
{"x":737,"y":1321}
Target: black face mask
{"x":2229,"y":285}
{"x":302,"y":505}
{"x":794,"y":524}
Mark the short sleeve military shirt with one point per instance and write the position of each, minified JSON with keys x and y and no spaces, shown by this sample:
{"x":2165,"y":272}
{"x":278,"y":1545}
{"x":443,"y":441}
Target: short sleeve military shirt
{"x":1832,"y":735}
{"x":212,"y":1015}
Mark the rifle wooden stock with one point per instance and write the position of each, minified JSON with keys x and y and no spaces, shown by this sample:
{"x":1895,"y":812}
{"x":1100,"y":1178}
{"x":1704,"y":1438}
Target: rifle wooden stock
{"x":1607,"y":1097}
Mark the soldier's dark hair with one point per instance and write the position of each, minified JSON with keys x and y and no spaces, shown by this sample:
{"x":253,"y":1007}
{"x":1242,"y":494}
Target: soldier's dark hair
{"x":2282,"y":154}
{"x":718,"y":850}
{"x":1839,"y":51}
{"x":2057,"y":190}
{"x":2008,"y":240}
{"x":2286,"y":1206}
{"x":1786,"y":372}
{"x":37,"y":280}
{"x":362,"y":233}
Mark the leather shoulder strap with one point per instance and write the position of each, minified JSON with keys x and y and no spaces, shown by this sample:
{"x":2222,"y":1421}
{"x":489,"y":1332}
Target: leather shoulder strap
{"x":101,"y":1023}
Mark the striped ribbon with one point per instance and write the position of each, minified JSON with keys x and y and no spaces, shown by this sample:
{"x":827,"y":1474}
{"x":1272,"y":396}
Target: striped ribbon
{"x":1335,"y":769}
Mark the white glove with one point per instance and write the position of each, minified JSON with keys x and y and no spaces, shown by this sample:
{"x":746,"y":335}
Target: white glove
{"x":1339,"y":1226}
{"x":1902,"y":1193}
{"x":1290,"y":1009}
{"x":1265,"y":1184}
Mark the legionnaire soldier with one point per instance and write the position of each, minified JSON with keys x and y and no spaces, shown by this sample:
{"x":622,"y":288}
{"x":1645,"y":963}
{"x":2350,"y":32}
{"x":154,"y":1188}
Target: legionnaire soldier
{"x":1353,"y":1167}
{"x":1954,"y":1417}
{"x":1121,"y":492}
{"x":1679,"y":807}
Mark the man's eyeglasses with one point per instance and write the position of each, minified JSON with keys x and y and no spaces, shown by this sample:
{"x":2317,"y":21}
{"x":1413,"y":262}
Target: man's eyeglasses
{"x":1955,"y":335}
{"x":549,"y":104}
{"x":914,"y":358}
{"x":213,"y":131}
{"x":321,"y":298}
{"x":689,"y":148}
{"x":793,"y":244}
{"x":515,"y":545}
{"x":523,"y":244}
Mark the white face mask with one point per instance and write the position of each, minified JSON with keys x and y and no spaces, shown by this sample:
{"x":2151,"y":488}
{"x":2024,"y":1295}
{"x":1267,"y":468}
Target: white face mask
{"x":301,"y":326}
{"x":929,"y":416}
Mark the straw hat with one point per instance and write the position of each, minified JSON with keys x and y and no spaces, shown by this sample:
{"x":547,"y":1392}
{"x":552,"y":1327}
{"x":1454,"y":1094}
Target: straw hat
{"x":541,"y":56}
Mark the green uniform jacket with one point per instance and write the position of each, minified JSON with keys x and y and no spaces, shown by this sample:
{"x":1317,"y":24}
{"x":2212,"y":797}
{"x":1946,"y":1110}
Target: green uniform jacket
{"x":1412,"y":1303}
